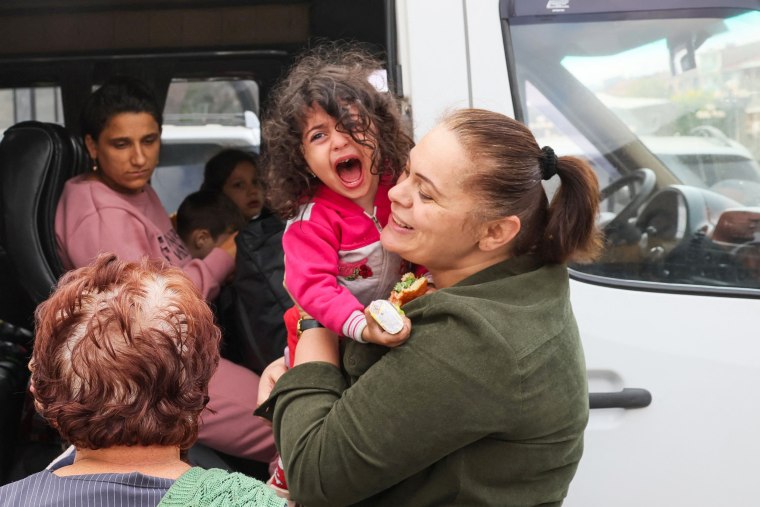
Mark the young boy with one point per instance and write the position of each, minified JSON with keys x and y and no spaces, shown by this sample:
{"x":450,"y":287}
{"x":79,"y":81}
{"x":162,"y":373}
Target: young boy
{"x":205,"y":220}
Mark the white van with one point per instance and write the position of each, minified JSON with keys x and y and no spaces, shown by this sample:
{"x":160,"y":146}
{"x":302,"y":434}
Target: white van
{"x":663,"y":97}
{"x":669,"y":315}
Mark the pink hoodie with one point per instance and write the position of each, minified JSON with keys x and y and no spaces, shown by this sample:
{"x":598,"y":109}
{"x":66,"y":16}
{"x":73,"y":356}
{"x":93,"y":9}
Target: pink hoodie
{"x":334,"y":262}
{"x":91,"y":218}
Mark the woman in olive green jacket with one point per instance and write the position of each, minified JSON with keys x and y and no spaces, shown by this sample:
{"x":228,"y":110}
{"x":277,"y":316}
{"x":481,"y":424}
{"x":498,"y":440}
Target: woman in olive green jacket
{"x":487,"y":401}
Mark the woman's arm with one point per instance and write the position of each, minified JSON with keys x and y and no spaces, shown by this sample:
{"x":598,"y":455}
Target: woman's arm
{"x":416,"y":405}
{"x":107,"y":230}
{"x":317,"y":345}
{"x":124,"y":234}
{"x":209,"y":273}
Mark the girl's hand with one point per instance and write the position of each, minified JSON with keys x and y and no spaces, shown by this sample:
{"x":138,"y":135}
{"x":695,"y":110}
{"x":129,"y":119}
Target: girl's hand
{"x":229,"y":245}
{"x":374,"y":333}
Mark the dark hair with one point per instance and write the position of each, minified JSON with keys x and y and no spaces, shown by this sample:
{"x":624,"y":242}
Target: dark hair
{"x":333,"y":76}
{"x":220,"y":166}
{"x":508,"y":167}
{"x":123,"y":355}
{"x":120,"y":94}
{"x":208,"y":210}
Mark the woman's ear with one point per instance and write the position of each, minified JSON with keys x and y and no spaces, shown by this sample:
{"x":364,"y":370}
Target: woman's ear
{"x":91,"y":146}
{"x":499,"y":233}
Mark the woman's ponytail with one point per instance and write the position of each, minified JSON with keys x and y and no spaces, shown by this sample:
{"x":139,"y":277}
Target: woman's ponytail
{"x":571,"y":233}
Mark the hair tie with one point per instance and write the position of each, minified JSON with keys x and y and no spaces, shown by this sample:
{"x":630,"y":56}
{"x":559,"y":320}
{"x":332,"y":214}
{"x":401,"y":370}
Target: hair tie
{"x":548,"y":163}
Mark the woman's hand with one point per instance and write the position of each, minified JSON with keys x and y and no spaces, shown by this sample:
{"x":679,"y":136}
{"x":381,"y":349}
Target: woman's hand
{"x":269,"y":378}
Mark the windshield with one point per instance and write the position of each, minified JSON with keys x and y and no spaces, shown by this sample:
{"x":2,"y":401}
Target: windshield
{"x":701,"y":96}
{"x":667,"y":107}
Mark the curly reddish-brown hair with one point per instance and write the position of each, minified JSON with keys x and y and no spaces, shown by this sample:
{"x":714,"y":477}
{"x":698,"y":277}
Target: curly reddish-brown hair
{"x":123,"y":355}
{"x":336,"y":77}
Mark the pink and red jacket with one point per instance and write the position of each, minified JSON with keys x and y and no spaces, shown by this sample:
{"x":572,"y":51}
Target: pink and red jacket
{"x":334,"y":262}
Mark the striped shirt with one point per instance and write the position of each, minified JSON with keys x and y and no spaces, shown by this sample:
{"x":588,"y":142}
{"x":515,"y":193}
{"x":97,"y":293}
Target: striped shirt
{"x":45,"y":489}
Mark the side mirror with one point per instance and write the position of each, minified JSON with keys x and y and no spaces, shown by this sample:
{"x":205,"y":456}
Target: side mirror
{"x":738,"y":226}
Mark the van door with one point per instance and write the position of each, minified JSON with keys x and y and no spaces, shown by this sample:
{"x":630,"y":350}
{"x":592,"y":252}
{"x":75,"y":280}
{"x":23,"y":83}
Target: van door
{"x":662,"y":100}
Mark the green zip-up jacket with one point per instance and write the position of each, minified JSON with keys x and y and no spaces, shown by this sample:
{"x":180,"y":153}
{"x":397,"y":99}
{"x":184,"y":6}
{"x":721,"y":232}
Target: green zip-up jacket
{"x":485,"y":404}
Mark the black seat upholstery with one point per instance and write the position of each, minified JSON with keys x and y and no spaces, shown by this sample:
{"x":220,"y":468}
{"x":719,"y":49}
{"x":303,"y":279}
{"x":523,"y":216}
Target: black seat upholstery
{"x":36,"y":159}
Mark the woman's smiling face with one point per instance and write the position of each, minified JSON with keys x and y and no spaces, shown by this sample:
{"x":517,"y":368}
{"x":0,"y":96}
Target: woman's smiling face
{"x":431,"y":219}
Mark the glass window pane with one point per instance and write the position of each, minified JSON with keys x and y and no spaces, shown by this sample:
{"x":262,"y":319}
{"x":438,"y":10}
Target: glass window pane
{"x":37,"y":103}
{"x":668,"y":113}
{"x":202,"y":117}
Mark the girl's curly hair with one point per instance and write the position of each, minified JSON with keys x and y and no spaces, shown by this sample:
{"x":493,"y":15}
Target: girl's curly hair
{"x":334,"y":76}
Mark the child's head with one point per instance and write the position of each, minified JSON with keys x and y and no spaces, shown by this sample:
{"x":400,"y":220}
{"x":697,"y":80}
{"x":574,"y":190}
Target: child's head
{"x":205,"y":220}
{"x":327,"y":101}
{"x":234,"y":172}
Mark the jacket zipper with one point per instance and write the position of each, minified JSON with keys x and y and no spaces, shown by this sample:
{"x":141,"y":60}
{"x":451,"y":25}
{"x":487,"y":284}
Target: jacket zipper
{"x":374,"y":220}
{"x":385,"y":254}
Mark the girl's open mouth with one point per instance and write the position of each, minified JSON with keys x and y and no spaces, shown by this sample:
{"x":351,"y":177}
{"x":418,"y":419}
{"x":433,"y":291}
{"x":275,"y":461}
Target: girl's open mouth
{"x":349,"y":170}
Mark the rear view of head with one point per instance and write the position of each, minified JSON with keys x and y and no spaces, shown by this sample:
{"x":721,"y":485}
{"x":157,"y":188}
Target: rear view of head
{"x":123,"y":355}
{"x":205,"y":219}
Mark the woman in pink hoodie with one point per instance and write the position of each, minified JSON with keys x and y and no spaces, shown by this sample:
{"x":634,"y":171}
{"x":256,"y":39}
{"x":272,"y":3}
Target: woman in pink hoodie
{"x":114,"y":209}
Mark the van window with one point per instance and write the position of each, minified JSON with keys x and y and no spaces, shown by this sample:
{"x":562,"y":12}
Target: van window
{"x":552,"y":128}
{"x":41,"y":103}
{"x":666,"y":112}
{"x":202,"y":117}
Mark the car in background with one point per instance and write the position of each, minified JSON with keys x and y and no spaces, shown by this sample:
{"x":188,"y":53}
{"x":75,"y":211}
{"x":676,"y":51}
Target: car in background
{"x":704,"y":161}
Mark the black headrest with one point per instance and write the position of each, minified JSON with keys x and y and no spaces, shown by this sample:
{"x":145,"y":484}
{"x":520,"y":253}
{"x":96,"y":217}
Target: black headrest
{"x":36,"y":159}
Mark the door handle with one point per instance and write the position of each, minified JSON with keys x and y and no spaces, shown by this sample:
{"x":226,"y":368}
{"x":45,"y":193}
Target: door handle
{"x":630,"y":397}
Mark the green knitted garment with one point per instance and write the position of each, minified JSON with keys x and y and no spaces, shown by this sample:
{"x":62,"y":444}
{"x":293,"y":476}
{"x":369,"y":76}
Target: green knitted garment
{"x":199,"y":487}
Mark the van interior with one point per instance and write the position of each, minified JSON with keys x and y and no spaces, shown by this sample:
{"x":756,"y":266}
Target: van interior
{"x":212,"y":65}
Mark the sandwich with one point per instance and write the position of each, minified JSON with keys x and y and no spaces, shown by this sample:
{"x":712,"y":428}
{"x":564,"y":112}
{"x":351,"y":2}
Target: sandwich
{"x":410,"y":287}
{"x":388,"y":312}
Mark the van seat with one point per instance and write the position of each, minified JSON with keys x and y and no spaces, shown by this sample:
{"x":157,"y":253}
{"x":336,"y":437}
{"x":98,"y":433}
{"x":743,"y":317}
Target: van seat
{"x":36,"y":159}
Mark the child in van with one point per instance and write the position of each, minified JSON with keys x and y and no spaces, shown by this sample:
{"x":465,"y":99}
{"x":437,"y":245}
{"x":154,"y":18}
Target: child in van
{"x":205,"y":220}
{"x":234,"y":173}
{"x":335,"y":145}
{"x":250,"y":309}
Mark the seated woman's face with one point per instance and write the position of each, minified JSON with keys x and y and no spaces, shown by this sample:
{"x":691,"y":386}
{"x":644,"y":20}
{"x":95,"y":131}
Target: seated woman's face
{"x":126,"y":151}
{"x":431,"y":220}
